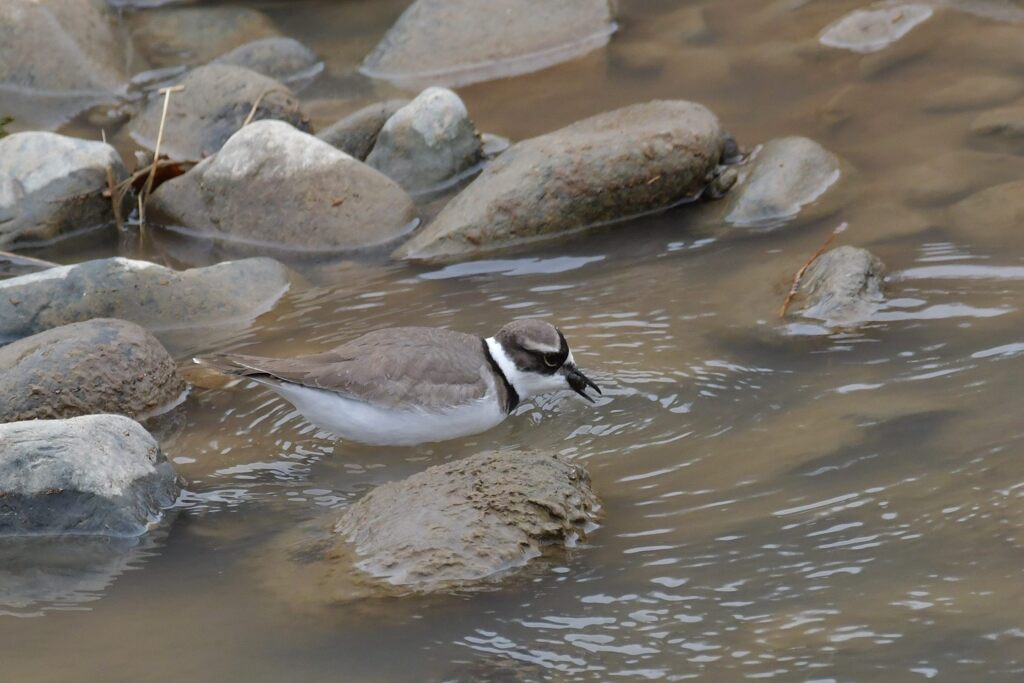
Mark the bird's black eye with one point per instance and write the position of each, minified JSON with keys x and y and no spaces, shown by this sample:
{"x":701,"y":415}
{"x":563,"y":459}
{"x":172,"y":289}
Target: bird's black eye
{"x":552,"y":360}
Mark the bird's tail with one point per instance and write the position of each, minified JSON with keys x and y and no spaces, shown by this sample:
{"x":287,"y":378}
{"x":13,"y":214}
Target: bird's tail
{"x":231,"y":364}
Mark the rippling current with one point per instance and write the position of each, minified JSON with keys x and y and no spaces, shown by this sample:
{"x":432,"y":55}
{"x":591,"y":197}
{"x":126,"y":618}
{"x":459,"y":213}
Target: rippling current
{"x":780,"y":501}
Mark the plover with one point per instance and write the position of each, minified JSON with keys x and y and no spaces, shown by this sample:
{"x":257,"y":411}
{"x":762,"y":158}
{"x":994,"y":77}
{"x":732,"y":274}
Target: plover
{"x":411,"y":385}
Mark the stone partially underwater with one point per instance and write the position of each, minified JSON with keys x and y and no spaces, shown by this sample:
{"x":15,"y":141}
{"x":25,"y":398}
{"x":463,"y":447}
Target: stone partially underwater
{"x":843,"y":287}
{"x":464,"y":524}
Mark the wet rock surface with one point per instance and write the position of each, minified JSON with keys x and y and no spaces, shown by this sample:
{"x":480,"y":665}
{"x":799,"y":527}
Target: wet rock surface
{"x":603,"y":169}
{"x":267,"y":174}
{"x":155,"y":297}
{"x":356,"y":134}
{"x":871,"y":30}
{"x":91,"y":367}
{"x":283,"y":59}
{"x":196,"y":35}
{"x":217,"y":100}
{"x":428,"y":143}
{"x":843,"y":286}
{"x":97,"y":474}
{"x":784,"y":176}
{"x":83,"y":62}
{"x":1000,"y":129}
{"x":480,"y":43}
{"x":52,"y":186}
{"x":457,"y":525}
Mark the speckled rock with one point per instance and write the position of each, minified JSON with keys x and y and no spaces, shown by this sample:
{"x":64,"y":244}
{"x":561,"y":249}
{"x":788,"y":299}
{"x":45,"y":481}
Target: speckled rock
{"x":785,"y":176}
{"x":98,"y":474}
{"x":356,"y":134}
{"x":52,"y":186}
{"x":283,"y":59}
{"x":196,"y":35}
{"x":57,"y":58}
{"x":155,"y":297}
{"x":600,"y":170}
{"x":96,"y":366}
{"x":457,"y":42}
{"x":266,"y":175}
{"x":1000,"y":129}
{"x":427,"y":144}
{"x":871,"y":30}
{"x":843,"y":287}
{"x":215,"y":103}
{"x":466,"y":523}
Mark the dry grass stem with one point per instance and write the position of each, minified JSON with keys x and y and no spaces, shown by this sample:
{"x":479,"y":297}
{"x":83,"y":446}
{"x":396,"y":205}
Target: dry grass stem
{"x":795,"y":287}
{"x":166,"y":92}
{"x":27,"y":259}
{"x":116,"y":198}
{"x":255,"y":106}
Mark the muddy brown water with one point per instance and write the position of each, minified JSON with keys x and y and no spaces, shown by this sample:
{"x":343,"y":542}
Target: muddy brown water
{"x":780,"y":502}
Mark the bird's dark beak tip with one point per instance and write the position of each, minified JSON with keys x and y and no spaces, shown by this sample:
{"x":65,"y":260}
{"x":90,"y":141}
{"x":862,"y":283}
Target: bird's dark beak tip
{"x":579,"y":383}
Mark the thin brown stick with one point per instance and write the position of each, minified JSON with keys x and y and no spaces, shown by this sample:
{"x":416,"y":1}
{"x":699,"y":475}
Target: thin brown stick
{"x":115,"y":199}
{"x":795,"y":287}
{"x":255,"y":106}
{"x":166,"y":92}
{"x":27,"y":259}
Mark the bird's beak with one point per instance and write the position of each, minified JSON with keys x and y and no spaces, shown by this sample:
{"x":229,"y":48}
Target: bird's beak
{"x":578,"y":382}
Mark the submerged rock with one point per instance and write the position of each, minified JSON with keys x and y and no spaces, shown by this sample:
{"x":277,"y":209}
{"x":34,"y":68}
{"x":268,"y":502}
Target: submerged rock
{"x":98,"y":474}
{"x":871,"y":30}
{"x":283,"y":59}
{"x":272,"y":186}
{"x":457,"y":525}
{"x":457,"y":42}
{"x":97,"y":366}
{"x":155,"y":297}
{"x":784,"y":176}
{"x":57,"y":58}
{"x":52,"y":186}
{"x":427,"y":144}
{"x":356,"y":134}
{"x":995,"y":212}
{"x":843,"y":286}
{"x":196,"y":35}
{"x":603,"y":169}
{"x":1000,"y":129}
{"x":216,"y":102}
{"x":974,"y":92}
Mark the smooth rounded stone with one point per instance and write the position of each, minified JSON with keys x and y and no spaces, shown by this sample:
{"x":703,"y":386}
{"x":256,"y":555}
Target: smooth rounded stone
{"x":150,"y":295}
{"x":97,"y":366}
{"x":974,"y":92}
{"x":195,"y":35}
{"x":463,"y":524}
{"x":871,"y":30}
{"x":1000,"y":129}
{"x":457,"y":42}
{"x":356,"y":134}
{"x":843,"y":286}
{"x":995,"y":212}
{"x":603,"y":169}
{"x":216,"y":102}
{"x":428,"y":144}
{"x":272,"y":186}
{"x":96,"y":474}
{"x":52,"y":186}
{"x":57,"y":58}
{"x":283,"y":59}
{"x":785,"y":175}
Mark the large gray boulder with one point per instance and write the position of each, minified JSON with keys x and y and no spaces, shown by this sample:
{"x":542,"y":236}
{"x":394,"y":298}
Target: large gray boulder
{"x":356,"y":134}
{"x":457,"y":42}
{"x":57,"y":58}
{"x":52,"y":186}
{"x":843,"y":287}
{"x":217,"y":100}
{"x":96,"y":366}
{"x":195,"y":35}
{"x":272,"y":186}
{"x":456,"y":525}
{"x":283,"y":59}
{"x":874,"y":29}
{"x":603,"y":169}
{"x":785,"y":176}
{"x":155,"y":297}
{"x":98,"y":474}
{"x":428,"y":144}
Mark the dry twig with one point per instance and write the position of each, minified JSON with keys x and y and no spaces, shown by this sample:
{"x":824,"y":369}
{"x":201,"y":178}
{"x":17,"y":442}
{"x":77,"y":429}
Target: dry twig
{"x":255,"y":106}
{"x":795,"y":287}
{"x":27,"y":259}
{"x":115,"y":198}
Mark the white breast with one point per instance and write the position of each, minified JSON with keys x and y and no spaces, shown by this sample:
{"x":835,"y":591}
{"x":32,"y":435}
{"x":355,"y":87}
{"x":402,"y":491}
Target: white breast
{"x":367,"y":423}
